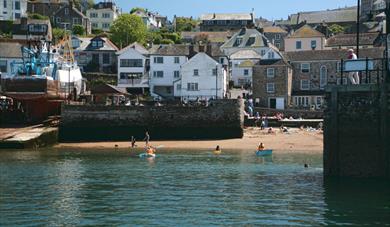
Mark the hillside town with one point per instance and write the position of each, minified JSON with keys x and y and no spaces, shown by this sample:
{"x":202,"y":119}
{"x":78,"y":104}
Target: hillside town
{"x":281,"y":64}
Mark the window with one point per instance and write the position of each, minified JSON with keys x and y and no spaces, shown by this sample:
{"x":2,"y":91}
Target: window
{"x":323,"y":76}
{"x":93,"y":15}
{"x":192,"y":86}
{"x":94,"y":43}
{"x":3,"y":66}
{"x":270,"y":72}
{"x":178,"y":87}
{"x":158,"y":74}
{"x":338,"y":67}
{"x":106,"y":15}
{"x":17,"y":15}
{"x":301,"y":101}
{"x":196,"y":72}
{"x":305,"y":67}
{"x":17,"y":5}
{"x":75,"y":43}
{"x":298,"y":45}
{"x":246,"y":72}
{"x":177,"y":60}
{"x":105,"y":25}
{"x":271,"y":55}
{"x":262,"y":52}
{"x":305,"y":84}
{"x":176,"y":74}
{"x":319,"y":101}
{"x":313,"y":44}
{"x":222,"y":60}
{"x":76,"y":20}
{"x":95,"y":25}
{"x":214,"y":72}
{"x":131,"y":63}
{"x":96,"y":58}
{"x":58,"y":19}
{"x":66,"y":11}
{"x":158,"y":60}
{"x":238,"y":41}
{"x":5,"y":4}
{"x":270,"y":88}
{"x":345,"y":81}
{"x":277,"y":45}
{"x":106,"y":58}
{"x":277,"y":37}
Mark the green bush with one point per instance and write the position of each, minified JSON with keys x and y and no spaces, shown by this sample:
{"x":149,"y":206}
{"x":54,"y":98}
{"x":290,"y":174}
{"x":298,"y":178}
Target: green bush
{"x":37,"y":16}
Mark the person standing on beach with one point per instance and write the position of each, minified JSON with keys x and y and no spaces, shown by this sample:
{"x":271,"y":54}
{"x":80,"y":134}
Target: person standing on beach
{"x":353,"y":76}
{"x":147,"y":138}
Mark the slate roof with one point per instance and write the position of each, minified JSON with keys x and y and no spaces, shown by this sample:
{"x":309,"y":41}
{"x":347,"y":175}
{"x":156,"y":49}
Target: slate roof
{"x":86,"y":45}
{"x":10,"y":50}
{"x":250,"y":38}
{"x":245,"y":54}
{"x":274,"y":62}
{"x":19,"y":29}
{"x":338,"y":54}
{"x":306,"y":32}
{"x":170,"y":50}
{"x":226,"y":16}
{"x":328,"y":16}
{"x":350,"y":39}
{"x":274,"y":29}
{"x":138,"y":47}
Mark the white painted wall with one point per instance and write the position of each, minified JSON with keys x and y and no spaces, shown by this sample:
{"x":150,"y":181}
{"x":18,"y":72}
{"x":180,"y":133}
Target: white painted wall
{"x":168,"y":67}
{"x":9,"y":12}
{"x":131,"y":53}
{"x":99,"y":20}
{"x":206,"y":80}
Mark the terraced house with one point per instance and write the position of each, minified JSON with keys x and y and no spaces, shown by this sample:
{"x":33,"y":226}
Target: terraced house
{"x":102,"y":15}
{"x":226,"y":21}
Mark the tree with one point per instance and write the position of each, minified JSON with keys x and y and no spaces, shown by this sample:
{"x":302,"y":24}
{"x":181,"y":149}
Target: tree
{"x":336,"y":29}
{"x":78,"y":29}
{"x":127,"y":29}
{"x":185,"y":24}
{"x":37,"y":16}
{"x":135,"y":9}
{"x":58,"y":34}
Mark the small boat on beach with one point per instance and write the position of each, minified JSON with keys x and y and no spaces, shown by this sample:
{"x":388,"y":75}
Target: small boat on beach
{"x":264,"y":153}
{"x":217,"y":152}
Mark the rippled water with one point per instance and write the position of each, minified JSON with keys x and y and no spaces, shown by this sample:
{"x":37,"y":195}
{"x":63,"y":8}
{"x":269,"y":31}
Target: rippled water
{"x":57,"y":187}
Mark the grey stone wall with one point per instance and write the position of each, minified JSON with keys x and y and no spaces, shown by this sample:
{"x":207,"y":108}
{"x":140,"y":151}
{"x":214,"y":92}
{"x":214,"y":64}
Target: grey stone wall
{"x":355,"y":132}
{"x":221,"y":119}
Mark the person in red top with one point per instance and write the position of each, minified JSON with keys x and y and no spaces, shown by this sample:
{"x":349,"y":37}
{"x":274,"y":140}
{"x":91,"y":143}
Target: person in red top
{"x":353,"y":76}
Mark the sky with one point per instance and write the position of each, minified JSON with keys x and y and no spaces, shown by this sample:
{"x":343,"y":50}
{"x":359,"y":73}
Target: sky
{"x":270,"y":9}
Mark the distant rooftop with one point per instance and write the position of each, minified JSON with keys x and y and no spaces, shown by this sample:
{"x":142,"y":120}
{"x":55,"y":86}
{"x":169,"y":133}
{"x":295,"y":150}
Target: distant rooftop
{"x":226,"y":16}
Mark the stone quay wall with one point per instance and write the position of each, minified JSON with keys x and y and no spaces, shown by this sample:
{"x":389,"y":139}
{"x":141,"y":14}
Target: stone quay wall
{"x":355,"y":131}
{"x":221,"y":119}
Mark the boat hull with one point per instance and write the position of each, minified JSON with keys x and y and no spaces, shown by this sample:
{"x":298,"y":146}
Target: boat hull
{"x":264,"y":153}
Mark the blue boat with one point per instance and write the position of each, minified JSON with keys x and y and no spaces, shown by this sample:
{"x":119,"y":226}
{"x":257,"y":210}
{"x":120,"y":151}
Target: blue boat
{"x":264,"y":153}
{"x":146,"y":155}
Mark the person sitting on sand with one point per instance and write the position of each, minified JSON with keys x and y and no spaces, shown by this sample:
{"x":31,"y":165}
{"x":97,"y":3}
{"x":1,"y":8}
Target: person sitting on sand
{"x":271,"y":130}
{"x":261,"y":147}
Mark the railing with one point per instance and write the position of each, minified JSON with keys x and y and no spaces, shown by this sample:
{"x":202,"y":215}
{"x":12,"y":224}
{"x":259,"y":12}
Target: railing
{"x":370,"y":70}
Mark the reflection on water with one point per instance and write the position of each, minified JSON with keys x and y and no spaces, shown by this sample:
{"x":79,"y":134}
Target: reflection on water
{"x":56,"y":187}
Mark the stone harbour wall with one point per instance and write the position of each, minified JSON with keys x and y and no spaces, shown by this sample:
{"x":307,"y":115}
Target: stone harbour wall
{"x":355,"y":132}
{"x":221,"y":119}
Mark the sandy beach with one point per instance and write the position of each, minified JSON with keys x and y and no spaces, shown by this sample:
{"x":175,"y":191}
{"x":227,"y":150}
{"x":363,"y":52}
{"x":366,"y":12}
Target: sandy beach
{"x":302,"y":141}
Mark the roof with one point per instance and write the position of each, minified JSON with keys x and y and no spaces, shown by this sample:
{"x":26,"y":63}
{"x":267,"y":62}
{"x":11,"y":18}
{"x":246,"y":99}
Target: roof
{"x":10,"y":50}
{"x":138,"y":47}
{"x":350,"y":39}
{"x":87,"y":45}
{"x":170,"y":50}
{"x":226,"y":16}
{"x":245,"y":54}
{"x":19,"y":29}
{"x":107,"y":89}
{"x":274,"y":29}
{"x":246,"y":64}
{"x":249,"y":38}
{"x":306,"y":32}
{"x":348,"y":14}
{"x":199,"y":55}
{"x":275,"y":62}
{"x":214,"y":37}
{"x":338,"y":54}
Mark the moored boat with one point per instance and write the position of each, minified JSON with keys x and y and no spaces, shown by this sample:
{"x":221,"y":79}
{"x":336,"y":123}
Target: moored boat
{"x":264,"y":152}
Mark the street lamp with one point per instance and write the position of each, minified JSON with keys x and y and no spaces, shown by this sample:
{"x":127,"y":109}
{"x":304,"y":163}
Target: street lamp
{"x":357,"y":28}
{"x":216,"y":81}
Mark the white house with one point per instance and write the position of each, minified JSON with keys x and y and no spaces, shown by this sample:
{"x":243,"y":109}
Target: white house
{"x":13,"y":9}
{"x":247,"y":45}
{"x":151,"y":20}
{"x":102,"y":15}
{"x":133,"y":68}
{"x":201,"y":77}
{"x":165,"y":65}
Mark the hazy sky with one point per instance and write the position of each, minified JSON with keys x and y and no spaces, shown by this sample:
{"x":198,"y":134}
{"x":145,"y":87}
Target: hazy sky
{"x":270,"y":9}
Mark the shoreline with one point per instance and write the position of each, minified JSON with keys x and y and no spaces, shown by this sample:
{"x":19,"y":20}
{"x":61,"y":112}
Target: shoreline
{"x":296,"y":141}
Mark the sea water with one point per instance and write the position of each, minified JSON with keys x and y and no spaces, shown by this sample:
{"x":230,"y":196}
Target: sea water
{"x":181,"y":188}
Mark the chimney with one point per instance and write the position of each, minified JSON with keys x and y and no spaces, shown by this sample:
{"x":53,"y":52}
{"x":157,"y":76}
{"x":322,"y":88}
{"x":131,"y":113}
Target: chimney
{"x":201,"y":48}
{"x":191,"y":51}
{"x":214,"y":16}
{"x":209,"y":51}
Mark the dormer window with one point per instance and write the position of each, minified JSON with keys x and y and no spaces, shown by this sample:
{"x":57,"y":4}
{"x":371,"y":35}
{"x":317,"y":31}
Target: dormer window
{"x":66,"y":11}
{"x":97,"y":43}
{"x":75,"y":43}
